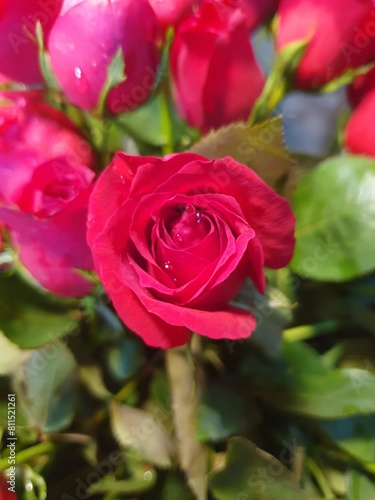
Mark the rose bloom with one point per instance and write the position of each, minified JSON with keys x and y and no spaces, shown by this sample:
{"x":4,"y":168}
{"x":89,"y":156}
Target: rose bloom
{"x":359,"y":133}
{"x":174,"y":240}
{"x":18,"y":47}
{"x":361,"y":86}
{"x":44,"y":191}
{"x":254,"y":11}
{"x":86,"y":37}
{"x":172,"y":12}
{"x":26,"y":125}
{"x":48,"y":226}
{"x":340,"y":35}
{"x":215,"y":76}
{"x":5,"y":494}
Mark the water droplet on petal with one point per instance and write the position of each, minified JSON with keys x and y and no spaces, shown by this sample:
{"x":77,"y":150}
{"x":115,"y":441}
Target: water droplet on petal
{"x":167,"y":265}
{"x":78,"y":72}
{"x":82,"y":83}
{"x":198,"y":217}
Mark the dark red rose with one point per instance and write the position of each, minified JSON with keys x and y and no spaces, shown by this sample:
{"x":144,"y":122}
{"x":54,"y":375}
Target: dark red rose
{"x":361,"y":87}
{"x":341,"y":32}
{"x":174,"y":239}
{"x":215,"y":76}
{"x":18,"y":47}
{"x":84,"y":40}
{"x":5,"y":494}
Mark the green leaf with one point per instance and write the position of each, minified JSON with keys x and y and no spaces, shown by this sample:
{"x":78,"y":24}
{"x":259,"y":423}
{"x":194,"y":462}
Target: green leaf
{"x":124,"y":359}
{"x":176,"y":487}
{"x":46,"y":387}
{"x":261,"y":147}
{"x":44,"y":59}
{"x":29,"y":318}
{"x":151,"y":113}
{"x":138,"y":430}
{"x":220,"y":414}
{"x":115,"y":76}
{"x":335,"y":210}
{"x":10,"y":355}
{"x":310,"y":388}
{"x":354,"y":435}
{"x":359,"y":486}
{"x":279,"y":80}
{"x":133,"y":486}
{"x":253,"y":473}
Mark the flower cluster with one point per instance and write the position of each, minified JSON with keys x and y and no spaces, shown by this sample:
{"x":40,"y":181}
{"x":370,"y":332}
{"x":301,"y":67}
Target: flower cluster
{"x":172,"y":238}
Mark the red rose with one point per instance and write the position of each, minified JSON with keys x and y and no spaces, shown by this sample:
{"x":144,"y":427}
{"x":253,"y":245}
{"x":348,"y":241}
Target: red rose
{"x":86,"y":37}
{"x":172,"y":12}
{"x":5,"y":494}
{"x":31,"y":133}
{"x":361,"y":87}
{"x":255,"y":12}
{"x":48,"y":226}
{"x":18,"y":47}
{"x":174,"y":239}
{"x":215,"y":76}
{"x":342,"y":36}
{"x":359,"y":133}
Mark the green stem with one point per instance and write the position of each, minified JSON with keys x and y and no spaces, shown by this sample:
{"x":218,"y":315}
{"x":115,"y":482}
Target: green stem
{"x":320,"y":479}
{"x":306,"y":332}
{"x":166,"y":122}
{"x":28,"y":454}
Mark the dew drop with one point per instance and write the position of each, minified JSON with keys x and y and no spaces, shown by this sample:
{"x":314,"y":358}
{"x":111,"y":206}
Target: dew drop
{"x":78,"y":72}
{"x":82,"y":83}
{"x":167,"y":265}
{"x":198,"y":217}
{"x":147,"y":476}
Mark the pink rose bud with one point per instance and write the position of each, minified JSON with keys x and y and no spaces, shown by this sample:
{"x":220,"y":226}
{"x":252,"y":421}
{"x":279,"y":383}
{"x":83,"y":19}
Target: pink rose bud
{"x":174,"y":240}
{"x":255,"y":11}
{"x":18,"y":47}
{"x":86,"y":37}
{"x":215,"y":76}
{"x":32,"y":132}
{"x":172,"y":12}
{"x":341,"y":36}
{"x":359,"y":134}
{"x":44,"y":191}
{"x":48,"y":226}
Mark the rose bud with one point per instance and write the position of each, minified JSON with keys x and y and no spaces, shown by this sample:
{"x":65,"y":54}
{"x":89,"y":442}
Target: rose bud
{"x":172,"y":12}
{"x":255,"y":12}
{"x":339,"y":33}
{"x":174,"y":240}
{"x":359,"y":133}
{"x":5,"y":493}
{"x":361,"y":86}
{"x":215,"y":76}
{"x":18,"y":47}
{"x":48,"y":226}
{"x":86,"y":37}
{"x":33,"y":132}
